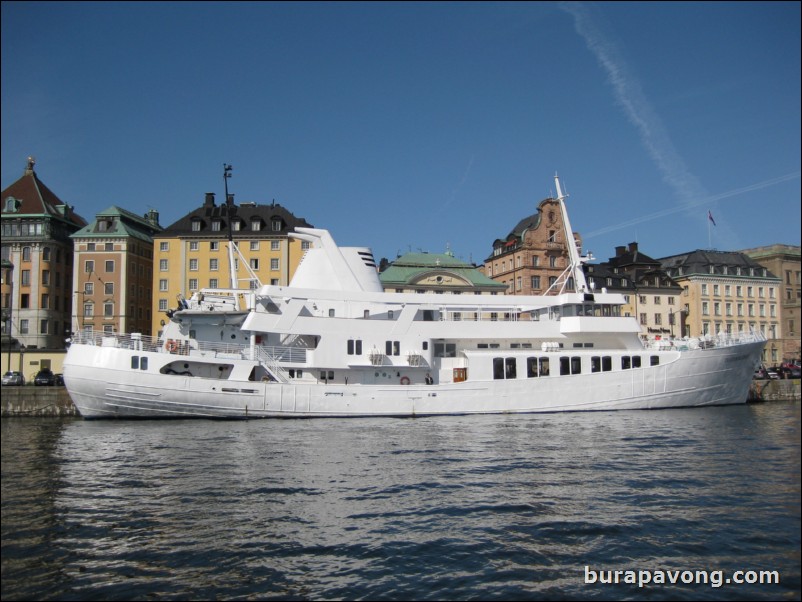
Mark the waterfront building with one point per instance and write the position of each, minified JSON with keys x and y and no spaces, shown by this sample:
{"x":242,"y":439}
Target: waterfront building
{"x":532,"y":257}
{"x":113,"y":279}
{"x":36,"y":226}
{"x":728,"y":292}
{"x":192,"y":253}
{"x":652,"y":296}
{"x":436,"y":273}
{"x":784,"y":261}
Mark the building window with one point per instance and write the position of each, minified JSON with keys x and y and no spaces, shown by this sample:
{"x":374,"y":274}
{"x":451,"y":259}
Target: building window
{"x":254,"y":245}
{"x":216,"y":225}
{"x":108,"y":310}
{"x":25,"y":277}
{"x":254,"y":263}
{"x":89,"y":288}
{"x":193,"y":265}
{"x":236,"y":225}
{"x":89,"y":266}
{"x":193,"y":245}
{"x":536,"y":282}
{"x":163,"y":284}
{"x":46,"y":254}
{"x":45,"y":301}
{"x":46,"y":277}
{"x":274,"y":264}
{"x":275,"y":245}
{"x":163,"y":265}
{"x":89,"y":310}
{"x":109,"y":267}
{"x":214,"y":246}
{"x":108,"y":288}
{"x":164,"y":246}
{"x":276,"y":225}
{"x":213,"y":265}
{"x":162,"y":304}
{"x":256,"y":225}
{"x":26,"y":253}
{"x":212,"y":282}
{"x":23,"y":326}
{"x":196,"y":225}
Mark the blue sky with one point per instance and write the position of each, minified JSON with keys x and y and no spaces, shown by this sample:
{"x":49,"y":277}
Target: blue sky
{"x":417,"y":126}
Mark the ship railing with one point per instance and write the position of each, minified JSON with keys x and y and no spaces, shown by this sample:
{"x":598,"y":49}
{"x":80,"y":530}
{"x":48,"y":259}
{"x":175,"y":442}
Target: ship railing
{"x":267,"y":354}
{"x":134,"y":340}
{"x":709,"y":341}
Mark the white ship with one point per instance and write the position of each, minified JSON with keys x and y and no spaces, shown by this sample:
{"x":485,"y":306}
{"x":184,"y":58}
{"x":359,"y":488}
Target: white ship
{"x":333,"y":344}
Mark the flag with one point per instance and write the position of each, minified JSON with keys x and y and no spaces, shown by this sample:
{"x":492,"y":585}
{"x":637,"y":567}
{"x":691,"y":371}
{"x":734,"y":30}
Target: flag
{"x":710,"y":217}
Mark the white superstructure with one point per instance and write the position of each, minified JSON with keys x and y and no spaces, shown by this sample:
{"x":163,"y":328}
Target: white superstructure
{"x":333,"y":344}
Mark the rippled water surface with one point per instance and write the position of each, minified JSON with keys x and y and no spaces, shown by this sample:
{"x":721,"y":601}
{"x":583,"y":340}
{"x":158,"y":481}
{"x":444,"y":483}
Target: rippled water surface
{"x":478,"y":507}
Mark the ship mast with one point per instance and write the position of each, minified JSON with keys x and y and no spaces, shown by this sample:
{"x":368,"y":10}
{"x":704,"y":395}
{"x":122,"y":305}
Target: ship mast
{"x":229,"y":205}
{"x":574,"y":268}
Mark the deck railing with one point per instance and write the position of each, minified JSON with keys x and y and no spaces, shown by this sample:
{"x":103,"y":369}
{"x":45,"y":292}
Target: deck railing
{"x":143,"y":342}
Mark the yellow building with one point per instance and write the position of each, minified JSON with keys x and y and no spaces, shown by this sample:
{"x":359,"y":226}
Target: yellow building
{"x":785,"y":262}
{"x":728,"y":292}
{"x":193,"y":253}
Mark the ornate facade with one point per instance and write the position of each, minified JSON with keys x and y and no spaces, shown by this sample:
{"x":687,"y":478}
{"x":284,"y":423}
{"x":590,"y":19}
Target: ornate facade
{"x":37,"y":300}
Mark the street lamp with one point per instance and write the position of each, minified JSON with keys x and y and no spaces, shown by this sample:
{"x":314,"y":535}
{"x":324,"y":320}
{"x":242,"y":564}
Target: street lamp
{"x":671,"y":315}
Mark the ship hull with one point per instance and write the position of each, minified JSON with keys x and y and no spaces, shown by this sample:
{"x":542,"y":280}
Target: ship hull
{"x":102,"y":387}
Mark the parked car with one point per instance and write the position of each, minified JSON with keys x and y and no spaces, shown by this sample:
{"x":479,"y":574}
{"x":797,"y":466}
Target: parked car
{"x":59,"y":380}
{"x":44,"y":378}
{"x":13,"y":379}
{"x":760,"y":374}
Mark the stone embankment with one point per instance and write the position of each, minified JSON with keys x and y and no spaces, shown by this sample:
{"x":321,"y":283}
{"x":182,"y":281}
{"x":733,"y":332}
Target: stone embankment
{"x":37,"y":401}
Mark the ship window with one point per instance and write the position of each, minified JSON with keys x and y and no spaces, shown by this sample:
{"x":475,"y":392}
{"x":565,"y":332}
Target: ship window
{"x":655,"y":360}
{"x":636,"y":361}
{"x":135,"y":362}
{"x":607,"y":363}
{"x":350,"y":347}
{"x":331,"y":313}
{"x":595,"y":364}
{"x":143,"y":363}
{"x":544,"y":366}
{"x":498,"y":368}
{"x":531,"y":367}
{"x":510,"y":369}
{"x":425,"y":345}
{"x":565,"y":366}
{"x":392,"y":348}
{"x":625,"y":362}
{"x":576,"y":365}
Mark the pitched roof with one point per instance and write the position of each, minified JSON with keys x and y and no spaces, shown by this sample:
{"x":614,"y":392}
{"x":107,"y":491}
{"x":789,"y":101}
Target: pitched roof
{"x":245,"y":212}
{"x":410,"y":267}
{"x":701,"y":261}
{"x":123,"y":223}
{"x":34,"y":198}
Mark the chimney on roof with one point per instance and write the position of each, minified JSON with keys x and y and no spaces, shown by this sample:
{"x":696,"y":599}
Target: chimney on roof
{"x":29,"y":166}
{"x":619,"y":251}
{"x":633,"y":247}
{"x":209,"y":201}
{"x":230,"y":200}
{"x":153,"y":217}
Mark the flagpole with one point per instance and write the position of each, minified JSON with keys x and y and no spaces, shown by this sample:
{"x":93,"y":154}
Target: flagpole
{"x":709,"y":238}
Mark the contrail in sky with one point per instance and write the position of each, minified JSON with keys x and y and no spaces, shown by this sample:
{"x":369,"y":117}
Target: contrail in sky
{"x":696,"y":203}
{"x":638,"y":110}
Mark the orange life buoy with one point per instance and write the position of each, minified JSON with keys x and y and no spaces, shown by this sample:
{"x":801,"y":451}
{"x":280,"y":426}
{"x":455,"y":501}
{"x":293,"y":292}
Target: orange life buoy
{"x":172,"y":346}
{"x":404,"y":380}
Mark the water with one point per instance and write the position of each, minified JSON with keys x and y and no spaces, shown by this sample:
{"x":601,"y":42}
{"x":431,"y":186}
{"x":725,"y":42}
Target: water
{"x":482,"y":507}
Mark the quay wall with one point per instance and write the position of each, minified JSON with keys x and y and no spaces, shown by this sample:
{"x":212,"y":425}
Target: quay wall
{"x":37,"y":401}
{"x":774,"y":390}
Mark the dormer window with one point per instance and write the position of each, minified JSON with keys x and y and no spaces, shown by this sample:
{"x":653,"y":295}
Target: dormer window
{"x":216,"y":225}
{"x":256,"y":224}
{"x":12,"y":204}
{"x":236,"y":225}
{"x":196,"y":225}
{"x":276,"y":223}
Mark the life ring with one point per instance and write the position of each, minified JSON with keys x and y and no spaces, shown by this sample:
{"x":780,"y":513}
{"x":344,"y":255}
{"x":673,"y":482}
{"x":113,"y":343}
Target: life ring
{"x":404,"y":380}
{"x":172,"y":346}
